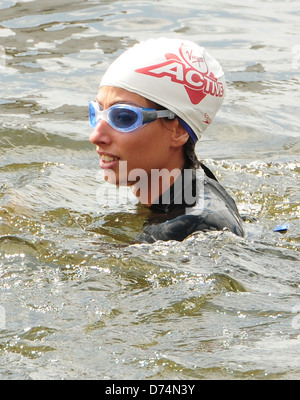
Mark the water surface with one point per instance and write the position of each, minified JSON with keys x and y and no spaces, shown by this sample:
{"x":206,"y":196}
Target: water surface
{"x":79,"y":299}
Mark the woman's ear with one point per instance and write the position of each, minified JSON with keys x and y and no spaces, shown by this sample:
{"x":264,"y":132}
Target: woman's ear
{"x":179,"y":134}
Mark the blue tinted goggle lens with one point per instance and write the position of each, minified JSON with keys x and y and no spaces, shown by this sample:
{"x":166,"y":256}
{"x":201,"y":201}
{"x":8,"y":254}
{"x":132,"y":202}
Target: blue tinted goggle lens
{"x":124,"y":117}
{"x":92,"y":114}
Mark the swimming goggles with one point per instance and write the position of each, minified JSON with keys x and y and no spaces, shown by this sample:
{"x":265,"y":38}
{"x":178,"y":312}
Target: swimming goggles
{"x":125,"y":117}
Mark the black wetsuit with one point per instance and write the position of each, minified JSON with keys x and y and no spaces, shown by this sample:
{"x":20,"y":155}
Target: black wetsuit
{"x":209,"y":207}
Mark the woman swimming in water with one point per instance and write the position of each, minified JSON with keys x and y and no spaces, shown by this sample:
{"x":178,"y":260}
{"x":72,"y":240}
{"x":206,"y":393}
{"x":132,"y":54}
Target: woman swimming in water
{"x":153,"y":104}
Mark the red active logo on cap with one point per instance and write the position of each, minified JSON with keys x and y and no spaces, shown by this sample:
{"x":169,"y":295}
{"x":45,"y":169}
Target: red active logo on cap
{"x":190,"y":70}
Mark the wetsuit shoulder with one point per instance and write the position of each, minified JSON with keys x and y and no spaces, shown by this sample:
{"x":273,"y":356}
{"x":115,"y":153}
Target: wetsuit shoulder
{"x":181,"y":227}
{"x":176,"y":229}
{"x":214,"y":209}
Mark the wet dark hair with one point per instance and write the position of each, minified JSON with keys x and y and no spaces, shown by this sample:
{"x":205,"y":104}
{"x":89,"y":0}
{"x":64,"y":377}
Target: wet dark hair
{"x":191,"y":159}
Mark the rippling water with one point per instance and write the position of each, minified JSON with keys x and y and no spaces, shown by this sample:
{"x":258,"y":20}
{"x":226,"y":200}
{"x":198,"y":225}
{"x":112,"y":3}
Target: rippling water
{"x":78,"y":299}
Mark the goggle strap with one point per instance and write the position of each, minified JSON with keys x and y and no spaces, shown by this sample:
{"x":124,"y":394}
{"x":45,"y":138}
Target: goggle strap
{"x":152,"y":115}
{"x":165,"y":114}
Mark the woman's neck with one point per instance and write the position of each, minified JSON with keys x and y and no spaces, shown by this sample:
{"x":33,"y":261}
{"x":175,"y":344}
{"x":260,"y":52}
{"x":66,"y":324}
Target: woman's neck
{"x":157,"y":183}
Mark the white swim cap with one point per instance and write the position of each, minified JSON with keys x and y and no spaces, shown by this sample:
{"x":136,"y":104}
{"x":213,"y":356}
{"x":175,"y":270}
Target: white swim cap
{"x":176,"y":74}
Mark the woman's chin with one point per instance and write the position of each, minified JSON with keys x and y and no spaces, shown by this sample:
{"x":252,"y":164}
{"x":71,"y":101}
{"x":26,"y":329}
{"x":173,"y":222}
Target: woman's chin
{"x":115,"y":179}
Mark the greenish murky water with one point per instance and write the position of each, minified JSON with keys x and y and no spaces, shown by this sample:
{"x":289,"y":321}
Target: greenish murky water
{"x":78,"y":298}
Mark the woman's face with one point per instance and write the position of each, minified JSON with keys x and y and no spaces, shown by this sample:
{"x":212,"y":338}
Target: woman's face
{"x":147,"y":148}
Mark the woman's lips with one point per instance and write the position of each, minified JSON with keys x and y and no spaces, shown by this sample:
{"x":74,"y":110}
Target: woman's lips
{"x":108,"y":161}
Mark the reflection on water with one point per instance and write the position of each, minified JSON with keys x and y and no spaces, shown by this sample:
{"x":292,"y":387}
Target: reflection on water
{"x":79,"y":297}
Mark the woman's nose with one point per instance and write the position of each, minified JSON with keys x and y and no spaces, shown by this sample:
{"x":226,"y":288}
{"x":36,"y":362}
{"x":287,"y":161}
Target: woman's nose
{"x":101,"y":134}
